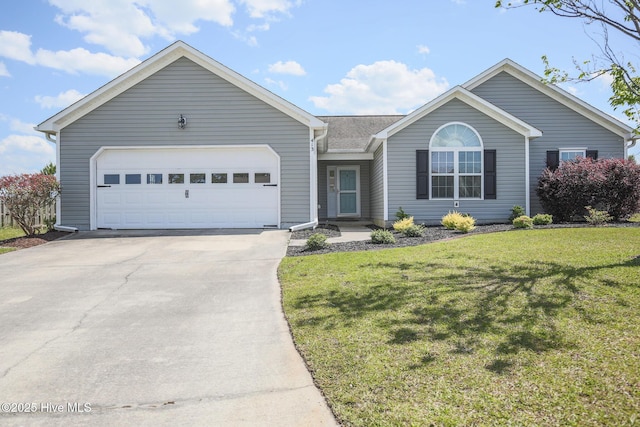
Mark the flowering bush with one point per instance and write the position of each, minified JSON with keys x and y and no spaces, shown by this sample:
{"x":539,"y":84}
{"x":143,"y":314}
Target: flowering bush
{"x":612,"y":185}
{"x":24,"y":195}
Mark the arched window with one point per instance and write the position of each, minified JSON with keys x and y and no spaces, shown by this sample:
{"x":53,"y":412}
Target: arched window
{"x":456,"y":162}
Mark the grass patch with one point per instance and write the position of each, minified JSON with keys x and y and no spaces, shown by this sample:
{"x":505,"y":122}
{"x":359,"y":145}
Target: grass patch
{"x":10,"y":233}
{"x":536,"y":327}
{"x":4,"y":250}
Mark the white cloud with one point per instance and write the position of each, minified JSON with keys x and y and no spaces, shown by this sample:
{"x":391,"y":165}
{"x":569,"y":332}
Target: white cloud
{"x":62,"y":100}
{"x":279,"y":83}
{"x":120,"y":25}
{"x":385,"y":87}
{"x":289,"y":67}
{"x":423,"y":49}
{"x":3,"y":70}
{"x":25,"y":154}
{"x":17,"y":46}
{"x":16,"y":125}
{"x":268,"y":8}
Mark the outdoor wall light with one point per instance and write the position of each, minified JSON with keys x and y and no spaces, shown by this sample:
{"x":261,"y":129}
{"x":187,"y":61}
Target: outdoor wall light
{"x":182,"y":122}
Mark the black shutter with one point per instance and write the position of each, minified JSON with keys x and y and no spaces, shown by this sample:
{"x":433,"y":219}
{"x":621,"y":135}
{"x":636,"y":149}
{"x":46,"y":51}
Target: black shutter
{"x":490,"y":176}
{"x":592,"y":154}
{"x":422,"y":174}
{"x":553,"y":159}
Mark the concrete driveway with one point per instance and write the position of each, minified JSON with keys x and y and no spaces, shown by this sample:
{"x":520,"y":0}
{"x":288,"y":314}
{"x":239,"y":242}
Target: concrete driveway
{"x":143,"y":328}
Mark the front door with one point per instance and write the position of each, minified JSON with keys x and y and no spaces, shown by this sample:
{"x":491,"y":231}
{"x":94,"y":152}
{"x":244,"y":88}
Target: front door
{"x":348,"y":191}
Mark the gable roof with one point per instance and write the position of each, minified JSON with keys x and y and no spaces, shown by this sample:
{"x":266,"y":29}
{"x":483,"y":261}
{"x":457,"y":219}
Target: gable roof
{"x":352,"y":133}
{"x":157,"y":62}
{"x":553,"y":91}
{"x":462,"y":94}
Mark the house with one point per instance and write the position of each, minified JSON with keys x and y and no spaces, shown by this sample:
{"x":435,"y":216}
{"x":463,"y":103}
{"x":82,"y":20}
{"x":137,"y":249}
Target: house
{"x":181,"y":141}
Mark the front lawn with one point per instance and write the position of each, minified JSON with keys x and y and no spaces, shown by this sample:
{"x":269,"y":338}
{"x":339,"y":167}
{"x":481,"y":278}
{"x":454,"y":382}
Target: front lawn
{"x":537,"y":327}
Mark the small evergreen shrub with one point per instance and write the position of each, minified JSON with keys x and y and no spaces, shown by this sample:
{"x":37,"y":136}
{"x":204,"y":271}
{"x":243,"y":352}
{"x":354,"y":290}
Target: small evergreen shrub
{"x":596,"y":217}
{"x":382,"y":237}
{"x":516,"y":211}
{"x":451,"y":219}
{"x":634,"y":218}
{"x":414,"y":231}
{"x":401,"y":214}
{"x":402,"y":224}
{"x":317,"y":241}
{"x":466,"y":224}
{"x":523,"y":221}
{"x":542,"y":219}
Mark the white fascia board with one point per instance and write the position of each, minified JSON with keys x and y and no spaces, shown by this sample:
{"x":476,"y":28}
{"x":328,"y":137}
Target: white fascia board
{"x":468,"y":98}
{"x":558,"y":94}
{"x":341,"y":155}
{"x":156,"y":63}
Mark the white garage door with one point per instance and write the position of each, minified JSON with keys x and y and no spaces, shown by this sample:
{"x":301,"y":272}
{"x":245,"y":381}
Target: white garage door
{"x":217,"y":187}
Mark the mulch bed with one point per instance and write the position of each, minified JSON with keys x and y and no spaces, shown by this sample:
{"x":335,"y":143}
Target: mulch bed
{"x":28,"y":242}
{"x":432,"y":234}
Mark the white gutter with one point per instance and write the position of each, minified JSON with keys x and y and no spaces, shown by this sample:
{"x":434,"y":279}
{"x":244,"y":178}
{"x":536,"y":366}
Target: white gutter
{"x":527,"y":181}
{"x":312,"y":224}
{"x":65,"y":228}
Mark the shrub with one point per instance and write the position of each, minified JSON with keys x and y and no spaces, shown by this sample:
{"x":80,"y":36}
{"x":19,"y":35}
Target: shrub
{"x":451,"y":219}
{"x":596,"y":217}
{"x":466,"y":224}
{"x":414,"y":231}
{"x":401,"y":214}
{"x":382,"y":237}
{"x":316,"y":242}
{"x":634,"y":218}
{"x":24,"y":195}
{"x":523,"y":221}
{"x":612,"y":185}
{"x":516,"y":211}
{"x":403,"y":224}
{"x":542,"y":219}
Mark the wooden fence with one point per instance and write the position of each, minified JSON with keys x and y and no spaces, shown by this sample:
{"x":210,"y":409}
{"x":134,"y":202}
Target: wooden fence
{"x":44,"y":214}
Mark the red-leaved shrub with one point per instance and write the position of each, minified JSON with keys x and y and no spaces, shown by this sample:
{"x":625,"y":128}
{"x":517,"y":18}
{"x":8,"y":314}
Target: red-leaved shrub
{"x":611,"y":185}
{"x":24,"y":195}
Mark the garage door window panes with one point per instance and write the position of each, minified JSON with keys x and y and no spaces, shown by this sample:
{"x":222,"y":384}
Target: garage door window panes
{"x":240,"y":178}
{"x":197,"y":178}
{"x":262,"y":178}
{"x":111,"y":179}
{"x":176,"y":178}
{"x":154,"y":178}
{"x":133,"y":178}
{"x":218,"y":178}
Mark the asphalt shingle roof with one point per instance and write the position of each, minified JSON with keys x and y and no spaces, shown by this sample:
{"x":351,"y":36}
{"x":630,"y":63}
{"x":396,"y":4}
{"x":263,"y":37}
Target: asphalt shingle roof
{"x":354,"y":132}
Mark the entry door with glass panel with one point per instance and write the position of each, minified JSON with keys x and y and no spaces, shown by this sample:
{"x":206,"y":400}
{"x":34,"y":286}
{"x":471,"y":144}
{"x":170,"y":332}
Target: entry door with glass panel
{"x":348,"y":191}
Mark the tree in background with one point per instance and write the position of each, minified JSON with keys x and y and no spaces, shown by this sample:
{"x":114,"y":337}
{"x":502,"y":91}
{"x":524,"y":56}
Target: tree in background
{"x":49,"y":169}
{"x":25,"y":195}
{"x":621,"y":16}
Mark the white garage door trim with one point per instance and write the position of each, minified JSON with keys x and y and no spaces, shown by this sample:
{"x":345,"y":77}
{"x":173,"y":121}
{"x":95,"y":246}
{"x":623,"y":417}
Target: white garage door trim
{"x":94,"y":180}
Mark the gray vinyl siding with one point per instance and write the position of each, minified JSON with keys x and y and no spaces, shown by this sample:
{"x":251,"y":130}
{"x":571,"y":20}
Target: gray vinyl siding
{"x":561,"y":127}
{"x":377,"y":186}
{"x":365,"y":194}
{"x":401,"y":169}
{"x":218,"y":113}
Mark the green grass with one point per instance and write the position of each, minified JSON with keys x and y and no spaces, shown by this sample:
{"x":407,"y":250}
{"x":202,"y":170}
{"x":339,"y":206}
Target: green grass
{"x":538,"y":327}
{"x":10,"y":233}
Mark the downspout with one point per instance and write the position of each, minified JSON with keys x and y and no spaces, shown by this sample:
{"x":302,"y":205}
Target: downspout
{"x":527,"y":185}
{"x":313,"y":168}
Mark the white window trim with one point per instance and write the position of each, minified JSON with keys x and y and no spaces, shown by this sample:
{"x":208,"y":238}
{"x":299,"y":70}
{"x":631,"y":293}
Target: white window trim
{"x":456,"y":165}
{"x":582,"y":150}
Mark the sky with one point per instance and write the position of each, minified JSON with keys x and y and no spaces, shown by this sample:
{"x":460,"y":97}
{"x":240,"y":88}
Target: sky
{"x":328,"y":57}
